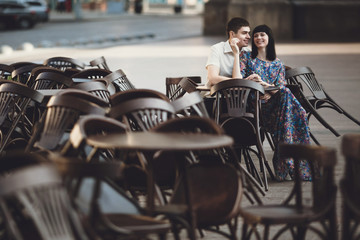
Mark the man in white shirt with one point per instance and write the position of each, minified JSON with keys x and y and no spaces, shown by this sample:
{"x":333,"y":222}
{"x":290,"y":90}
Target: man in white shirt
{"x":223,"y":62}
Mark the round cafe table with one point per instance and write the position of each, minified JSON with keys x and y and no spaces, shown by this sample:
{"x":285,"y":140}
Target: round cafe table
{"x":149,"y":142}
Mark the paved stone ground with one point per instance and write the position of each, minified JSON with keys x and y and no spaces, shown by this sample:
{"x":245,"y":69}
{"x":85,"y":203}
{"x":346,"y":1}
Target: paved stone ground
{"x":336,"y":66}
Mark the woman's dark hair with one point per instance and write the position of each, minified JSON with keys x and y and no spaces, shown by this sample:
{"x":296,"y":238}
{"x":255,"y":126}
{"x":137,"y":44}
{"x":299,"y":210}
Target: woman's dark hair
{"x":235,"y":24}
{"x":270,"y":48}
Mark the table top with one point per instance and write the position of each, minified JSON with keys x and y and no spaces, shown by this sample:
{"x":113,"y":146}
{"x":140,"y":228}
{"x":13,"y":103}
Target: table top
{"x":160,"y":141}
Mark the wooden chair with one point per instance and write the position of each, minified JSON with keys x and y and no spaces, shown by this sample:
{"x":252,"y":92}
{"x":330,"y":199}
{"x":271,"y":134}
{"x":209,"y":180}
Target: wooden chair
{"x":350,"y":186}
{"x":63,"y":110}
{"x":51,"y":80}
{"x":318,"y":97}
{"x":35,"y":205}
{"x":97,"y":88}
{"x":5,"y":71}
{"x":177,"y":87}
{"x":16,"y":125}
{"x":237,"y":110}
{"x":85,"y":127}
{"x":128,"y":220}
{"x":119,"y":79}
{"x":130,"y":94}
{"x":191,"y":104}
{"x":299,"y":210}
{"x":37,"y":70}
{"x":64,"y":63}
{"x":22,"y":74}
{"x":142,"y":114}
{"x":92,"y":73}
{"x":99,"y":62}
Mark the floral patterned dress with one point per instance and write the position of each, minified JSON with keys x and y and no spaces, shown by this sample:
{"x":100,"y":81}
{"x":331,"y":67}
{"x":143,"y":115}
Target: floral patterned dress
{"x":283,"y":115}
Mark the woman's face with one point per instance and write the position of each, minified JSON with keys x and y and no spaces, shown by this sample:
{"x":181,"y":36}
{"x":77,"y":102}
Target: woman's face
{"x":261,"y":39}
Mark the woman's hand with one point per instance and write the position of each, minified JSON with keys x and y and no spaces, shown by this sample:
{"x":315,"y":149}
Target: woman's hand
{"x":256,"y":78}
{"x":266,"y":97}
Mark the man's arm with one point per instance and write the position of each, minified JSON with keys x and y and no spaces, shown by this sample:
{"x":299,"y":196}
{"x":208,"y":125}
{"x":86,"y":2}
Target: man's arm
{"x":213,"y":75}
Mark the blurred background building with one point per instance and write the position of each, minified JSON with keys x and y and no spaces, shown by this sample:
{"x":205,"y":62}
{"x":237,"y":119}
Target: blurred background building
{"x":303,"y":20}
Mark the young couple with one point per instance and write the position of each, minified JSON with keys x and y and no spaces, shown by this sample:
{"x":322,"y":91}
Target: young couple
{"x":283,"y":116}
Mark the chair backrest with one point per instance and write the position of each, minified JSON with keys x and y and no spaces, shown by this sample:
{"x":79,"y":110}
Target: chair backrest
{"x":51,"y":80}
{"x":99,"y":62}
{"x":350,"y":182}
{"x":305,"y":75}
{"x":177,"y":87}
{"x":35,"y":205}
{"x":92,"y":73}
{"x":14,"y":100}
{"x":64,"y":63}
{"x":120,"y":97}
{"x":237,"y":94}
{"x":142,"y":114}
{"x":85,"y":127}
{"x":5,"y":71}
{"x":120,"y":81}
{"x":191,"y":104}
{"x":23,"y":73}
{"x":63,"y":110}
{"x":95,"y":87}
{"x":36,"y":71}
{"x":322,"y":162}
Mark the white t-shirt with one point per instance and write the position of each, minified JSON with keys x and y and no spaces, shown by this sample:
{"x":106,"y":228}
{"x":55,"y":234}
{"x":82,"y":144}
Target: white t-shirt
{"x":221,"y":55}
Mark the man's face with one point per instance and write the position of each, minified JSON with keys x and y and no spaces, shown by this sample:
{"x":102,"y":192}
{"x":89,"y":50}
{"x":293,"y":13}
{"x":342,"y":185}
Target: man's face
{"x":243,"y":34}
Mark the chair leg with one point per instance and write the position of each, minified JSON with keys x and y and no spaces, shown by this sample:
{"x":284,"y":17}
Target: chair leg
{"x":346,"y":223}
{"x":332,"y":226}
{"x":322,"y":121}
{"x":332,"y":102}
{"x":314,"y":139}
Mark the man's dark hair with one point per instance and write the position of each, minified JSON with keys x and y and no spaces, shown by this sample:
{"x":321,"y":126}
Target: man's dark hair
{"x":270,"y":48}
{"x":235,"y":24}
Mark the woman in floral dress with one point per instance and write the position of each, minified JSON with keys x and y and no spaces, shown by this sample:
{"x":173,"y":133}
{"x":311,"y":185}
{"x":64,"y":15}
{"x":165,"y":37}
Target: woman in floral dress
{"x":283,"y":116}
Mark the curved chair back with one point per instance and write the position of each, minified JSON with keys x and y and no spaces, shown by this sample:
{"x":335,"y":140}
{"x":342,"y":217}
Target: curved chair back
{"x":63,"y":110}
{"x":14,"y":101}
{"x":35,"y":205}
{"x":52,"y":80}
{"x":99,"y":62}
{"x":191,"y":104}
{"x":92,"y":73}
{"x":64,"y":63}
{"x":95,"y":87}
{"x":5,"y":71}
{"x":120,"y":81}
{"x":142,"y":114}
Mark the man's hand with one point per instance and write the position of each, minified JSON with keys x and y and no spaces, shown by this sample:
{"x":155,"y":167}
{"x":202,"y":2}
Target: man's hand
{"x":234,"y":45}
